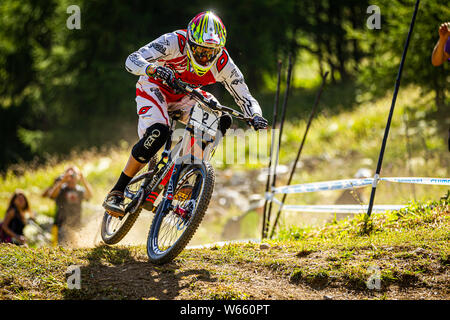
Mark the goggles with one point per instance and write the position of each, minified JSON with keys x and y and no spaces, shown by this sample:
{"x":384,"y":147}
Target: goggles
{"x":203,"y":55}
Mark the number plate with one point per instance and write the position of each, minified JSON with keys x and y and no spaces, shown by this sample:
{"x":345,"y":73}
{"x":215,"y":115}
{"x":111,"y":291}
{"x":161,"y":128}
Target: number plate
{"x":204,"y":120}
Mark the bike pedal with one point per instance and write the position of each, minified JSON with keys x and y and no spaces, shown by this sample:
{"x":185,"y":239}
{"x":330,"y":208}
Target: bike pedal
{"x":115,"y":214}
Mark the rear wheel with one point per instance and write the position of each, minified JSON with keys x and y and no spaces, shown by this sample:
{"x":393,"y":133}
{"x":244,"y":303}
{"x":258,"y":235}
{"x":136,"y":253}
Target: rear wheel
{"x":171,"y":231}
{"x":114,"y":229}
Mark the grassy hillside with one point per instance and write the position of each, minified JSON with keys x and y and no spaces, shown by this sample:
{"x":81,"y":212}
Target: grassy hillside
{"x":407,"y":251}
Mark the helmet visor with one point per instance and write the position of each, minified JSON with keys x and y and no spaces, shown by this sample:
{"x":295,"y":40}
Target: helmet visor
{"x":203,"y":55}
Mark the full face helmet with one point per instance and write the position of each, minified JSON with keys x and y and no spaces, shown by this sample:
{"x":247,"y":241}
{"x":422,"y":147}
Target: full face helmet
{"x":206,"y":37}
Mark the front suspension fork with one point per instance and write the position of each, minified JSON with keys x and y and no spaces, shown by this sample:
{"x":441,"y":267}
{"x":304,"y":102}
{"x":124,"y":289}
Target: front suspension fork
{"x":166,"y":202}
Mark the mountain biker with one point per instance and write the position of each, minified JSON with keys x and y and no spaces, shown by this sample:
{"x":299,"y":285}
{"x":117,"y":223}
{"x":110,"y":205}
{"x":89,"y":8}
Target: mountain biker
{"x":196,"y":56}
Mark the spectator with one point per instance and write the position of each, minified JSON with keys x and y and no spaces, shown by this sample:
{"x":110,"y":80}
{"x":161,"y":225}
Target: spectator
{"x":69,"y":195}
{"x":17,"y":214}
{"x":441,"y":51}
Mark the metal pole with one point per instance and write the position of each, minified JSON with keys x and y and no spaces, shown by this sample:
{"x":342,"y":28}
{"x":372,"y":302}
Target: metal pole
{"x":283,"y":116}
{"x":391,"y":112}
{"x":272,"y":143}
{"x":311,"y":116}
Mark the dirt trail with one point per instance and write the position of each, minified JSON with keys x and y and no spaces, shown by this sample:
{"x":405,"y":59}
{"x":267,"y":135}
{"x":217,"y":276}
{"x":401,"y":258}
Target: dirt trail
{"x":141,"y":280}
{"x":201,"y":274}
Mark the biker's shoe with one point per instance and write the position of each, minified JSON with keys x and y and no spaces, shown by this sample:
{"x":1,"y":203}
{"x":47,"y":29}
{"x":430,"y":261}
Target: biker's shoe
{"x":113,"y":204}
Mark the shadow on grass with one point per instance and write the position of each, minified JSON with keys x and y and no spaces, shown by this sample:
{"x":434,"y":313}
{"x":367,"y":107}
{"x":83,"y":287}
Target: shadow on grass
{"x":116,"y":273}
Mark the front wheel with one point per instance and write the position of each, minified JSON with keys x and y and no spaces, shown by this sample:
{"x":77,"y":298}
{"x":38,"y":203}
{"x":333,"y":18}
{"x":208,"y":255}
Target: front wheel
{"x":171,"y":231}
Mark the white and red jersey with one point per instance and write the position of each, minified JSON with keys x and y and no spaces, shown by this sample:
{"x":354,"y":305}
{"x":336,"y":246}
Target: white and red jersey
{"x":169,"y":50}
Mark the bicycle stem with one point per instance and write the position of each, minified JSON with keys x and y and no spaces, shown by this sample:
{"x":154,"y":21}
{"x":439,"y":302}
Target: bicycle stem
{"x":214,"y":106}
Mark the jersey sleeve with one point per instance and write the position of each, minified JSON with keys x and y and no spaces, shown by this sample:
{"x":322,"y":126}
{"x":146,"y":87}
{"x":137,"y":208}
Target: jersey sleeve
{"x":233,"y":80}
{"x":161,"y":48}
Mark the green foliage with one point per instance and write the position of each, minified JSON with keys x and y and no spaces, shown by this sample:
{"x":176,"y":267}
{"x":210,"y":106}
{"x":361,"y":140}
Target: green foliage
{"x":326,"y":29}
{"x":387,"y":45}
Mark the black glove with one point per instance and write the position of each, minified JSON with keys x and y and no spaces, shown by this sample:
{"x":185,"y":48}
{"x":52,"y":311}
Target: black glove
{"x":259,"y":122}
{"x":167,"y":75}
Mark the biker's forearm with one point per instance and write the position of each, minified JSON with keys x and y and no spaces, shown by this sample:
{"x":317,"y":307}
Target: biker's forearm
{"x":244,"y":99}
{"x":255,"y":109}
{"x":249,"y":106}
{"x":136,"y":64}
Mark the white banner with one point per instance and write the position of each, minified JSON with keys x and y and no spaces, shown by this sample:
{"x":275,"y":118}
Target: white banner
{"x":344,"y":208}
{"x":355,"y":183}
{"x":435,"y":181}
{"x":323,"y":186}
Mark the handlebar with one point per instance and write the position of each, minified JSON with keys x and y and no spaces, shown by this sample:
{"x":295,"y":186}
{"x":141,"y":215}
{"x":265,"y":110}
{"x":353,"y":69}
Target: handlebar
{"x":209,"y":103}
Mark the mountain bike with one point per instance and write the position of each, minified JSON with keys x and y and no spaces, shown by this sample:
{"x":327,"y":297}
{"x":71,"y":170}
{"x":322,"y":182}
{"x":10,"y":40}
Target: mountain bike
{"x":178,"y":187}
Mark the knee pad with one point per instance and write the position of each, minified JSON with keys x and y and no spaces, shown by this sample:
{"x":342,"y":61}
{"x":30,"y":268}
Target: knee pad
{"x":154,"y":138}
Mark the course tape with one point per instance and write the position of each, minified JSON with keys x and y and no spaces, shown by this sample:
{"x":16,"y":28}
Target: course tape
{"x":322,"y":186}
{"x":435,"y":181}
{"x":343,"y":208}
{"x":355,"y":183}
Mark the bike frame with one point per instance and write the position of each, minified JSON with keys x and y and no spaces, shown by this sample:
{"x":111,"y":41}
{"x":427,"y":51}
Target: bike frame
{"x":184,"y":152}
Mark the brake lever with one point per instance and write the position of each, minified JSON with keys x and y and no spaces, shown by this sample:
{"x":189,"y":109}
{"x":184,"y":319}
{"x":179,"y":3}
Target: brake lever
{"x":249,"y":123}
